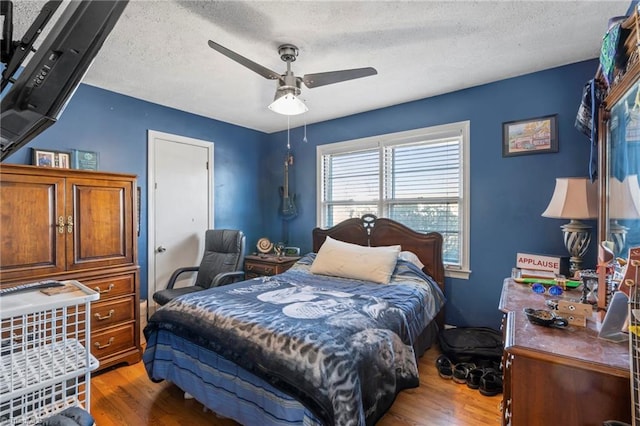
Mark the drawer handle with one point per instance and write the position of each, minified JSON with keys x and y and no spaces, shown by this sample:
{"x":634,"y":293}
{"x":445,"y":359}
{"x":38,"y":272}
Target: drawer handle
{"x":70,"y":224}
{"x":268,"y":270}
{"x":101,"y":318}
{"x":249,"y":267}
{"x":97,"y":344}
{"x":111,"y":286}
{"x":61,"y":225}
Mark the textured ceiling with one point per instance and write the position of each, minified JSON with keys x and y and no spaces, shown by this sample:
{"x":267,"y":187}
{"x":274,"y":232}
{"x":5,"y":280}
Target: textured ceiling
{"x":158,"y":50}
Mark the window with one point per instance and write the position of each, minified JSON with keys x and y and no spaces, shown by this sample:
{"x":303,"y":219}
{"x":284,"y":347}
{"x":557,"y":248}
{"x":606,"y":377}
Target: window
{"x":418,"y":178}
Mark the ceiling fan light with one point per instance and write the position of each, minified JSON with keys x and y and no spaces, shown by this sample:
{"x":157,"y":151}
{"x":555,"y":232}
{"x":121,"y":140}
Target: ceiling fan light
{"x":288,"y":104}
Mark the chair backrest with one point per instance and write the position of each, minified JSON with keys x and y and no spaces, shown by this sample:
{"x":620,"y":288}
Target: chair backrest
{"x":223,"y":252}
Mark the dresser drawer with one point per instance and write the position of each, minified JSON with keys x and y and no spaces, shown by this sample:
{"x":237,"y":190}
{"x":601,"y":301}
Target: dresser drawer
{"x":111,"y":287}
{"x":256,"y":269}
{"x":113,"y":340}
{"x":255,"y":266}
{"x":110,"y":312}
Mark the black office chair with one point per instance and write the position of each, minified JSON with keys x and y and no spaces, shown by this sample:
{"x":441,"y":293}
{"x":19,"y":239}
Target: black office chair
{"x":221,"y":264}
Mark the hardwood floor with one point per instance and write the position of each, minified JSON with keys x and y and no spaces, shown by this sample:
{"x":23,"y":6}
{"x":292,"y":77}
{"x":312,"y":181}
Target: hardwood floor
{"x":125,"y":396}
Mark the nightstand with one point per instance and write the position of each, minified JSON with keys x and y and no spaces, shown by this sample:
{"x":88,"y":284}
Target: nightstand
{"x":557,"y":376}
{"x":267,"y":265}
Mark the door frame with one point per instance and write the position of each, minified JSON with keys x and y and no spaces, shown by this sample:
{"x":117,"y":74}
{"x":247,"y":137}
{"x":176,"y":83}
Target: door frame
{"x":152,"y":135}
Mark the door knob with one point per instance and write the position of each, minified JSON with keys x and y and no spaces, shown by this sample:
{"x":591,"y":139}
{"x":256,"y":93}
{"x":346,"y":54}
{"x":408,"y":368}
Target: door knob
{"x":161,"y":249}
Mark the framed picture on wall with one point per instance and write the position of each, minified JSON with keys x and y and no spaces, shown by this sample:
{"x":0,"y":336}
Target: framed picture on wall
{"x":46,"y":158}
{"x":531,"y":136}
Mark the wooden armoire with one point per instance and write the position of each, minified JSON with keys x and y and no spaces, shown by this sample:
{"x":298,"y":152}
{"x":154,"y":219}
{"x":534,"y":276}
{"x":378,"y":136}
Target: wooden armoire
{"x":72,"y":224}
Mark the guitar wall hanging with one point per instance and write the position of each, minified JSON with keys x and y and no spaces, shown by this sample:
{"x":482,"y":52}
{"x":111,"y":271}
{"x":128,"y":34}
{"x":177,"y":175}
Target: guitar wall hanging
{"x":287,"y":206}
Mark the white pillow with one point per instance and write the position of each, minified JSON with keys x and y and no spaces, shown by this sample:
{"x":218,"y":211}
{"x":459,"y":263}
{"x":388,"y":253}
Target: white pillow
{"x":346,"y":260}
{"x":410,"y":256}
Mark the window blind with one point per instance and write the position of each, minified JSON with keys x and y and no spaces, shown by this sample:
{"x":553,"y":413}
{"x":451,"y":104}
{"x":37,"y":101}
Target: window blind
{"x":417,"y":182}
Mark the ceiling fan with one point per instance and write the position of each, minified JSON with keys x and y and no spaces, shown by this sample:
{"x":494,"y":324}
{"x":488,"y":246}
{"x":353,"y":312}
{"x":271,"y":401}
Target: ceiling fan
{"x":286,"y":99}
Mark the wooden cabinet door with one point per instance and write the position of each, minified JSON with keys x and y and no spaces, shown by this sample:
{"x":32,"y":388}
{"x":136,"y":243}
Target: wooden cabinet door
{"x":101,"y":211}
{"x":32,"y":239}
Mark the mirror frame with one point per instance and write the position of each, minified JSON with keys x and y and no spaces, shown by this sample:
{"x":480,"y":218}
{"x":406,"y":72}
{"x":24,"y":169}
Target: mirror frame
{"x":617,"y":92}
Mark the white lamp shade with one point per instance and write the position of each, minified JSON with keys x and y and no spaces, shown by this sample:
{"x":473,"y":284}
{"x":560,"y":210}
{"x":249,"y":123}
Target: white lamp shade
{"x":288,"y":104}
{"x":624,"y":198}
{"x":573,"y":198}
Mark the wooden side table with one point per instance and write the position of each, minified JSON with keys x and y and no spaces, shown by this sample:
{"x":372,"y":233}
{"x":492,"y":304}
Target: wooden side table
{"x":267,"y":265}
{"x":559,"y":376}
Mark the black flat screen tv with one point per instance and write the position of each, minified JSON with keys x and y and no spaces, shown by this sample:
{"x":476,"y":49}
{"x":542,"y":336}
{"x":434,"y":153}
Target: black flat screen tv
{"x":39,"y":94}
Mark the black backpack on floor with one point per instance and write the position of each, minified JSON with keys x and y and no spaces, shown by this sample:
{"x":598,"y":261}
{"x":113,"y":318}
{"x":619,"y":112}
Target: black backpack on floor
{"x":471,"y":344}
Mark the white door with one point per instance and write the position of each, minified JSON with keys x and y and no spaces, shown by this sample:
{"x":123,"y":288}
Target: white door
{"x":180,"y":200}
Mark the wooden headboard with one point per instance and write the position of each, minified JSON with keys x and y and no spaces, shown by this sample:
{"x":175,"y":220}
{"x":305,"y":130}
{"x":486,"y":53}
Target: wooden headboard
{"x":372,"y":231}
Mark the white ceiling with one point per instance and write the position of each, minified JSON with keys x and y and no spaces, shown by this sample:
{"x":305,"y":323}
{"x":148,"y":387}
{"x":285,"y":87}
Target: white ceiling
{"x":158,"y":50}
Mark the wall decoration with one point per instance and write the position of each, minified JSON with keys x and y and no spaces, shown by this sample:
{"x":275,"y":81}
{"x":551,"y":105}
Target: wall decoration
{"x":45,"y":158}
{"x":84,"y":160}
{"x":532,"y":136}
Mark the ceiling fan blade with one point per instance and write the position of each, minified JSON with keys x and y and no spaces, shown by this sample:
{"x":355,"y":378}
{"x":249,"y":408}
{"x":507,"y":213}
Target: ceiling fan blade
{"x":324,"y":78}
{"x":263,"y":71}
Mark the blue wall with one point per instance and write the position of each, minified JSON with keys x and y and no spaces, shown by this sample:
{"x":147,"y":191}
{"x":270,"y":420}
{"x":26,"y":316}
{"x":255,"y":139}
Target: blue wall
{"x":116,"y":127}
{"x":507,"y":194}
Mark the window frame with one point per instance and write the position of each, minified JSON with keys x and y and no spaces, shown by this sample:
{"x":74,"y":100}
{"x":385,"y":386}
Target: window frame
{"x":460,"y":129}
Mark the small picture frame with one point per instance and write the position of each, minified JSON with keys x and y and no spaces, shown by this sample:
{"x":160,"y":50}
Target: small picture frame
{"x":533,"y":136}
{"x":292,"y":251}
{"x":46,"y":158}
{"x":84,"y":160}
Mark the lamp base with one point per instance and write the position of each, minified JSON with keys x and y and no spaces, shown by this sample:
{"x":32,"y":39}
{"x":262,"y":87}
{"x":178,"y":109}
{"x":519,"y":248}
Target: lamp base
{"x":618,"y":234}
{"x":577,"y":237}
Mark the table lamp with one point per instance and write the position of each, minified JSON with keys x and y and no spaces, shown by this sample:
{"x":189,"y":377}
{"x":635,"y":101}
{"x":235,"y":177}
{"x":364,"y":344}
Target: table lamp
{"x":574,"y":198}
{"x":624,"y":203}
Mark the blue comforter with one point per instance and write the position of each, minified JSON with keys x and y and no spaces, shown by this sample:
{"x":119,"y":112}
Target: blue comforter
{"x":342,"y":347}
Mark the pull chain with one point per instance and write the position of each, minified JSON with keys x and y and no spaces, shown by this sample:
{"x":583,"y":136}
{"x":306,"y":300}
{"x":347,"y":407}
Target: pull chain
{"x":304,"y":139}
{"x":288,"y":131}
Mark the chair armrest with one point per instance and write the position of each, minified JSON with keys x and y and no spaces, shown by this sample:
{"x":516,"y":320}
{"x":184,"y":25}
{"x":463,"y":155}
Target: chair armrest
{"x":227,"y":276}
{"x":174,"y":276}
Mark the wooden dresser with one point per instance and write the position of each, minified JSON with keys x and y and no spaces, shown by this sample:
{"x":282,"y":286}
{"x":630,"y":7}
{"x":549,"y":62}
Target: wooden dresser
{"x":266,"y":265}
{"x":72,"y":224}
{"x":559,"y":376}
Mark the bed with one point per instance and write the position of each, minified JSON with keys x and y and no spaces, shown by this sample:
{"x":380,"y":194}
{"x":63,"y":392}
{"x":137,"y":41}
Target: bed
{"x":308,"y":347}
